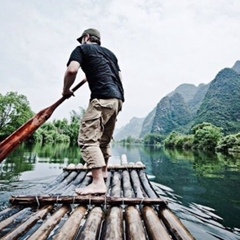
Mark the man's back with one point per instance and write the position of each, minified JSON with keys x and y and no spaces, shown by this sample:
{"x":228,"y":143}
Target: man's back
{"x":101,"y":68}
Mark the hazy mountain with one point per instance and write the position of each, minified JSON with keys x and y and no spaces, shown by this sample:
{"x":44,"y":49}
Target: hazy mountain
{"x":216,"y":102}
{"x":147,"y":123}
{"x":133,"y":129}
{"x":171,"y":113}
{"x":236,"y":67}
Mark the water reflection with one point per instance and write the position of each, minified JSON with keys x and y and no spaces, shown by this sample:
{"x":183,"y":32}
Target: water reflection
{"x":202,"y":189}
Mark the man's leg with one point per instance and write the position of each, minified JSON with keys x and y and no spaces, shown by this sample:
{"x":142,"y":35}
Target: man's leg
{"x":98,"y":114}
{"x":109,"y":126}
{"x":88,"y":140}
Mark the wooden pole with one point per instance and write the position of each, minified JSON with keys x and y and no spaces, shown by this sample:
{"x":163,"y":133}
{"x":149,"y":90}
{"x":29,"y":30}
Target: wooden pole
{"x":121,"y":167}
{"x":13,"y":218}
{"x":113,"y":226}
{"x":175,"y":226}
{"x":43,"y":232}
{"x":20,"y":230}
{"x":127,"y":188}
{"x":147,"y":187}
{"x":26,"y":130}
{"x":71,"y":227}
{"x":98,"y":200}
{"x":134,"y":227}
{"x":116,"y":185}
{"x":155,"y":228}
{"x":91,"y":228}
{"x":136,"y":184}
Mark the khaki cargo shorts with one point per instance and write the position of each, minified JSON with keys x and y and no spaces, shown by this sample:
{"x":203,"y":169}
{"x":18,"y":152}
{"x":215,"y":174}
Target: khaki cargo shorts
{"x":96,"y":131}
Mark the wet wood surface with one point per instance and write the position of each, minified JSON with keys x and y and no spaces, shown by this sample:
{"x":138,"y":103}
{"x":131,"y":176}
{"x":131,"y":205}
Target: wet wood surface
{"x":131,"y":209}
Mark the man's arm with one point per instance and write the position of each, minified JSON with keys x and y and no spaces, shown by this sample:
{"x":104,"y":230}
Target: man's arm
{"x":69,"y":78}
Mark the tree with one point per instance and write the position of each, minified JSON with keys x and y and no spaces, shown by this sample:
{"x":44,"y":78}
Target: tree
{"x":14,"y":112}
{"x":206,"y":136}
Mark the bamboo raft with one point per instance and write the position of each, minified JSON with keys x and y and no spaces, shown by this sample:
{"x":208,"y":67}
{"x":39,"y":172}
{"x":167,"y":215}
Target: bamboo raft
{"x":131,"y":209}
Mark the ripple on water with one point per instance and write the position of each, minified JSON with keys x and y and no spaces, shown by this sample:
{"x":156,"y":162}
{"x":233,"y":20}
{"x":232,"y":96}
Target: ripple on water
{"x":201,"y":221}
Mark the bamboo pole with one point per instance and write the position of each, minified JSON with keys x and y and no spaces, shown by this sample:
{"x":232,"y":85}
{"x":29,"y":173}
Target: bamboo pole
{"x":71,"y":189}
{"x":114,"y":167}
{"x":14,"y":217}
{"x":64,"y":183}
{"x":147,"y":187}
{"x":71,"y":227}
{"x":124,"y":160}
{"x":98,"y":200}
{"x":116,"y":185}
{"x":8,"y":212}
{"x":155,"y":229}
{"x":127,"y":188}
{"x":175,"y":226}
{"x":91,"y":228}
{"x":113,"y":226}
{"x":109,"y":179}
{"x":59,"y":179}
{"x":134,"y":227}
{"x":43,"y":232}
{"x":20,"y":230}
{"x":136,"y":184}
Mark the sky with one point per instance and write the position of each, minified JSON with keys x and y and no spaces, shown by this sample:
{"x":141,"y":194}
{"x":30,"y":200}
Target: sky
{"x":159,"y":45}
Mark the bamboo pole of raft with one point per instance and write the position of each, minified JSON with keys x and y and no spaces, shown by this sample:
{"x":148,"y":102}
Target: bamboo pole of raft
{"x":7,"y":212}
{"x":124,"y":160}
{"x":127,"y":188}
{"x":98,"y":200}
{"x":43,"y":232}
{"x":175,"y":226}
{"x":134,"y":227}
{"x":70,"y":190}
{"x":71,"y":227}
{"x":64,"y":183}
{"x":20,"y":230}
{"x":147,"y":187}
{"x":115,"y":167}
{"x":116,"y":185}
{"x":136,"y":184}
{"x":57,"y":181}
{"x":92,"y":225}
{"x":13,"y":218}
{"x":155,"y":228}
{"x":113,"y":226}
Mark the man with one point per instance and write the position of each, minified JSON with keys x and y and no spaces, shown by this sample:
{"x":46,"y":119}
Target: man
{"x":102,"y":72}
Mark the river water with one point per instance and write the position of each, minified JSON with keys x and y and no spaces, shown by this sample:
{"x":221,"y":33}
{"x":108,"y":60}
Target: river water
{"x":203,"y":190}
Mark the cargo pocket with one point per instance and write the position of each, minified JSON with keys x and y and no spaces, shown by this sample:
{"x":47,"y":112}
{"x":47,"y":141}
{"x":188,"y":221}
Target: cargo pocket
{"x":91,"y":127}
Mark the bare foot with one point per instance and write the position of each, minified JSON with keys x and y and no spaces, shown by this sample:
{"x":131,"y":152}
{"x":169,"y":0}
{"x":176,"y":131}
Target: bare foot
{"x":92,"y":189}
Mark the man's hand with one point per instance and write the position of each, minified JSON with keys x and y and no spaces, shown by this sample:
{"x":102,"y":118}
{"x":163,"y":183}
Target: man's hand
{"x":67,"y":93}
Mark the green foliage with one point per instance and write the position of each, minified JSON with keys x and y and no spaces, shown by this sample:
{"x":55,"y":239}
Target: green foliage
{"x":221,"y":103}
{"x":153,"y":139}
{"x":231,"y":141}
{"x":14,"y":112}
{"x":206,"y":136}
{"x":61,"y":130}
{"x":180,"y":141}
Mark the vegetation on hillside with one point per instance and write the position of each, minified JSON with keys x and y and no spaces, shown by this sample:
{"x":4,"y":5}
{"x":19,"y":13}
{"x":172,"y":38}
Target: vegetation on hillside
{"x":15,"y":111}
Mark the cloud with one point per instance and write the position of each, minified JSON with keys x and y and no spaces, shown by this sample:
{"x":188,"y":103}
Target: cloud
{"x":159,"y":44}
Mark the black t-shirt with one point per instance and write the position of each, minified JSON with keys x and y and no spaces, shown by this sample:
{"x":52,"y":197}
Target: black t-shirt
{"x":101,"y":68}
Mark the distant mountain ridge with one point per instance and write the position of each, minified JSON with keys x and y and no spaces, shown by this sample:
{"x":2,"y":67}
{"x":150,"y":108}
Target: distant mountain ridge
{"x":215,"y":102}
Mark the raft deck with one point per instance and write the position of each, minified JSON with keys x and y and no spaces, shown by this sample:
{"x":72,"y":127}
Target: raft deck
{"x":131,"y":209}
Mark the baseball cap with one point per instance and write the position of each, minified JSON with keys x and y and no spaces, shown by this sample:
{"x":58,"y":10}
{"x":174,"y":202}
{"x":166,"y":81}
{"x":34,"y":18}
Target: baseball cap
{"x":90,"y":31}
